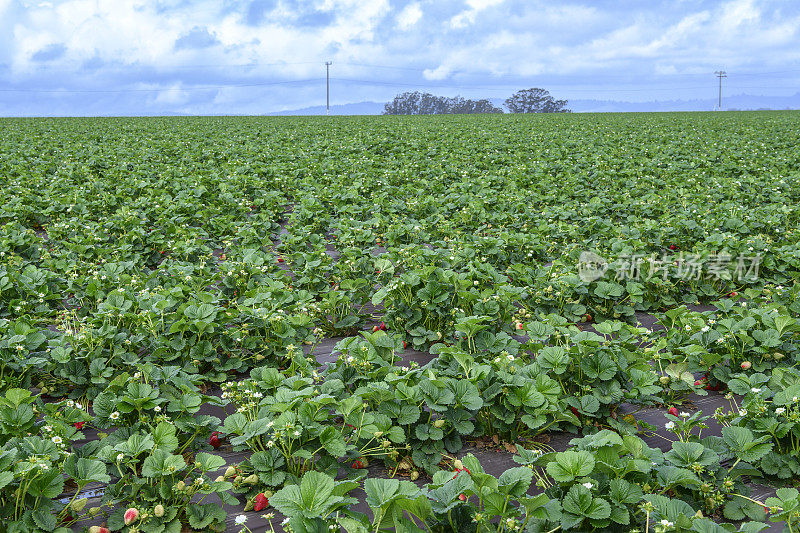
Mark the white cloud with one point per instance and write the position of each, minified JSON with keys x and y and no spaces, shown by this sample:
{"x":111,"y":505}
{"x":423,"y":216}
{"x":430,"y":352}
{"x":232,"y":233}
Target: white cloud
{"x":666,"y":69}
{"x":173,"y":95}
{"x":468,"y":16}
{"x":439,"y":73}
{"x":455,"y":42}
{"x":409,"y":16}
{"x":479,"y":5}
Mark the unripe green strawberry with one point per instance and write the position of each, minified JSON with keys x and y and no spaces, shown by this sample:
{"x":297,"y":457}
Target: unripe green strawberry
{"x":158,"y":510}
{"x":79,"y":504}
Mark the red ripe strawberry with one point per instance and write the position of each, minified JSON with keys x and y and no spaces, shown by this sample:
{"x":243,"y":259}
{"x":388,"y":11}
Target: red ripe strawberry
{"x":673,"y":411}
{"x":215,"y":440}
{"x":375,"y":328}
{"x":733,"y":293}
{"x":673,"y":247}
{"x":358,"y":464}
{"x":459,"y":470}
{"x":462,"y":497}
{"x":280,"y":260}
{"x":575,"y":411}
{"x":79,"y":425}
{"x":382,"y":326}
{"x":766,"y":509}
{"x":260,"y":502}
{"x":379,"y":271}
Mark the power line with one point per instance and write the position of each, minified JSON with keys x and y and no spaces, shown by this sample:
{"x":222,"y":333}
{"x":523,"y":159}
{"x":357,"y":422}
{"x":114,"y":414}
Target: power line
{"x":348,"y":63}
{"x":79,"y":68}
{"x":196,"y":88}
{"x":571,"y":87}
{"x":567,"y":87}
{"x":163,"y":67}
{"x":391,"y":67}
{"x":503,"y":88}
{"x":496,"y":88}
{"x":741,"y":74}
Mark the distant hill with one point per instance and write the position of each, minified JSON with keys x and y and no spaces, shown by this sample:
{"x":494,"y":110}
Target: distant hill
{"x":735,"y":102}
{"x":741,"y":101}
{"x":360,"y":108}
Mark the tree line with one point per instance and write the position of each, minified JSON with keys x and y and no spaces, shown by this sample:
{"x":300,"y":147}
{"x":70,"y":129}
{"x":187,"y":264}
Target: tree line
{"x":532,"y":100}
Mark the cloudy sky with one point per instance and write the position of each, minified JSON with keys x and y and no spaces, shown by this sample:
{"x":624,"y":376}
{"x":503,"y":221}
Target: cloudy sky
{"x":79,"y":57}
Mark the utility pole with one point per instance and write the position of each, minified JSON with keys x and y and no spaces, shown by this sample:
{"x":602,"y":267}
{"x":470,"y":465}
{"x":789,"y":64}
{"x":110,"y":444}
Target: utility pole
{"x":720,"y":74}
{"x":328,"y":87}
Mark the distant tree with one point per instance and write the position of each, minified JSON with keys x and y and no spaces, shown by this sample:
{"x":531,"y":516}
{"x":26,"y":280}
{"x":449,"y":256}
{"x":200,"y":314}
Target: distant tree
{"x":535,"y":100}
{"x":417,"y":103}
{"x":485,"y":106}
{"x":460,"y":105}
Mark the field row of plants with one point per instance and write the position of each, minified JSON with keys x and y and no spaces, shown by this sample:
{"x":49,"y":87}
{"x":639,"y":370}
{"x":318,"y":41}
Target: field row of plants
{"x":153,"y":270}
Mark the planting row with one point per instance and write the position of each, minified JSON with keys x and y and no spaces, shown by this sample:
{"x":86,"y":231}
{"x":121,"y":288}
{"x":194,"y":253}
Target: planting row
{"x":304,"y":429}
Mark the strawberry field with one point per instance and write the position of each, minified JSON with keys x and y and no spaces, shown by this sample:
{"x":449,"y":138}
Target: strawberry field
{"x":414,"y":324}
